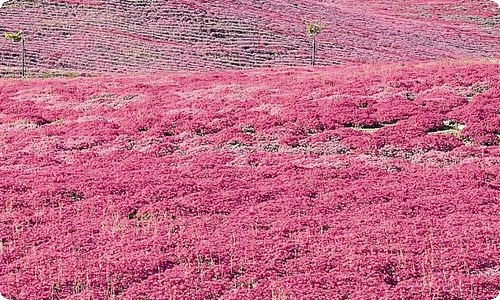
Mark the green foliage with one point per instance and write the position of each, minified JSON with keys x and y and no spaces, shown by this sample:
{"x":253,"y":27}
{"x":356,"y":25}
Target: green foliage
{"x":57,"y":73}
{"x":314,"y":28}
{"x":14,"y":36}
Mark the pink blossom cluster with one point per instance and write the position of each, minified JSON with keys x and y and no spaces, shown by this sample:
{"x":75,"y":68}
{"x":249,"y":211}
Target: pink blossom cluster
{"x":373,"y":182}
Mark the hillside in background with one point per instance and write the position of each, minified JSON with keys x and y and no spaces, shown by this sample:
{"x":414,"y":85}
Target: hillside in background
{"x":144,"y":35}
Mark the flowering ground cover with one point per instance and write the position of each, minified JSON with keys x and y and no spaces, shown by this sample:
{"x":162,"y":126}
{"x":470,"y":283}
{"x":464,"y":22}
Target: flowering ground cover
{"x":365,"y":182}
{"x":96,"y":36}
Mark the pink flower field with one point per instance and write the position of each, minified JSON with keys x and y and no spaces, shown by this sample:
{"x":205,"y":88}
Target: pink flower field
{"x":378,"y":181}
{"x":191,"y":153}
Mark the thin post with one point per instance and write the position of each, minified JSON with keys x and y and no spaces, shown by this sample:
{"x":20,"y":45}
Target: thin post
{"x":22,"y":58}
{"x":313,"y":62}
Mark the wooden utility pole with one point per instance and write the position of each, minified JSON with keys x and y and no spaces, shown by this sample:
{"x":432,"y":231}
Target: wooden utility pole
{"x":313,"y":58}
{"x":23,"y":54}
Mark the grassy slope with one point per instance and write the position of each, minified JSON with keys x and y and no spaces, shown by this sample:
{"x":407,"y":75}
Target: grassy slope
{"x":194,"y":35}
{"x":329,"y":183}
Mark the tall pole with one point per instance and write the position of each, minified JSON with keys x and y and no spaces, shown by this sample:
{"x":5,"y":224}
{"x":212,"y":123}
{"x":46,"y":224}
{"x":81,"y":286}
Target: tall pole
{"x":313,"y":58}
{"x":22,"y":58}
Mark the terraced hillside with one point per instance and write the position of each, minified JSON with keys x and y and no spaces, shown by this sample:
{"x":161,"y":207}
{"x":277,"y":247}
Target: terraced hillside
{"x":129,"y":36}
{"x":361,"y":183}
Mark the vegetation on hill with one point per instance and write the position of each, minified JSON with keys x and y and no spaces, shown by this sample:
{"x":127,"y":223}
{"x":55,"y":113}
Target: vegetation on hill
{"x":372,"y":182}
{"x":375,"y":179}
{"x":212,"y":35}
